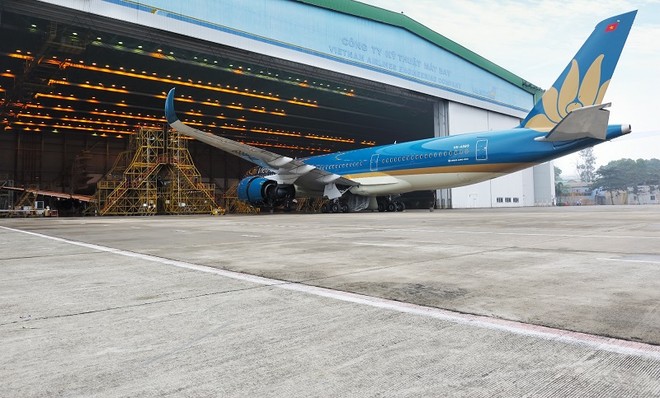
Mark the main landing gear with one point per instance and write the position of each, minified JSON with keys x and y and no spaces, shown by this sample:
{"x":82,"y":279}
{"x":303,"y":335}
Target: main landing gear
{"x":387,"y":204}
{"x":335,"y":206}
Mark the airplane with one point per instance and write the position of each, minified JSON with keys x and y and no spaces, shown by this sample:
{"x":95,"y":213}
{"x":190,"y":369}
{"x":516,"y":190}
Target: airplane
{"x":569,"y":117}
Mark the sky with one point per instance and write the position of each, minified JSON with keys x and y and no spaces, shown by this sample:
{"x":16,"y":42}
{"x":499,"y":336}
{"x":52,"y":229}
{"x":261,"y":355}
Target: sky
{"x":536,"y":40}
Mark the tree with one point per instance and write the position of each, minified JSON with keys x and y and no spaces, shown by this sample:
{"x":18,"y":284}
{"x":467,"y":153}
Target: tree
{"x":617,"y":174}
{"x":560,"y":190}
{"x":586,"y":165}
{"x":623,"y":174}
{"x":648,"y":172}
{"x":559,"y":185}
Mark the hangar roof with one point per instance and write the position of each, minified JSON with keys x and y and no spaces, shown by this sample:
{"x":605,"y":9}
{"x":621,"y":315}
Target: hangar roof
{"x":381,"y":15}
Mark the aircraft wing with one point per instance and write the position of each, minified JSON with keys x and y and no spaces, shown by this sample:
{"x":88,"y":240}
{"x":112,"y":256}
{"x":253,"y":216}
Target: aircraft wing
{"x":287,"y":170}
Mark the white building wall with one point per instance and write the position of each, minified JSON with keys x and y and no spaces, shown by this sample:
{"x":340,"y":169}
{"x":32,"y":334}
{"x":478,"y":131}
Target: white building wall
{"x":472,"y":196}
{"x":544,"y":185}
{"x":466,"y":119}
{"x":507,"y":191}
{"x":515,"y":189}
{"x":529,"y":187}
{"x":498,"y":121}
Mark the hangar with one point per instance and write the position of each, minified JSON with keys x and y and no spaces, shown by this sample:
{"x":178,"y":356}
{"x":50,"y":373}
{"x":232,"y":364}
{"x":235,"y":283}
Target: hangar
{"x":296,"y":77}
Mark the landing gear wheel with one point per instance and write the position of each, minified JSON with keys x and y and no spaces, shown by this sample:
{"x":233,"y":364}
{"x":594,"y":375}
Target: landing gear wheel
{"x":344,"y":208}
{"x":334,"y":208}
{"x":400,"y":206}
{"x":391,"y":206}
{"x":381,"y":207}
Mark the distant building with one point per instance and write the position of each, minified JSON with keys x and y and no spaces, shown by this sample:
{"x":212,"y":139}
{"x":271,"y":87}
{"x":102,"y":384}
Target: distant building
{"x":640,"y":195}
{"x":644,"y":195}
{"x":615,"y":197}
{"x":576,"y":193}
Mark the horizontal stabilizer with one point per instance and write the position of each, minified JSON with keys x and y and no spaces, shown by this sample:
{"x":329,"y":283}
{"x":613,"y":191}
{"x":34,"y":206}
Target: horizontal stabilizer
{"x":587,"y":122}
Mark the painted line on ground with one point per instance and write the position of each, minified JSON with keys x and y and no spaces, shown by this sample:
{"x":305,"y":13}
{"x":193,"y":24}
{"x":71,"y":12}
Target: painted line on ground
{"x":628,"y":261}
{"x":595,"y":342}
{"x":534,"y":234}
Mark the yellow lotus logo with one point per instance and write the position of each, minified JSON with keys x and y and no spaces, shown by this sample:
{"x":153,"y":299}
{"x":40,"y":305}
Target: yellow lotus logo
{"x":573,"y":94}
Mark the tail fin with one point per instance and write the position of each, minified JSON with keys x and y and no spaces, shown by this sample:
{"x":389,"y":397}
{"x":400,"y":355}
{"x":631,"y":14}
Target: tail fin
{"x":586,"y":77}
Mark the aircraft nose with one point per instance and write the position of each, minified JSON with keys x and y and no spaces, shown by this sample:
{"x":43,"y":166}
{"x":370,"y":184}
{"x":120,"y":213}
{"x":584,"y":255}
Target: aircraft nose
{"x":626,"y":128}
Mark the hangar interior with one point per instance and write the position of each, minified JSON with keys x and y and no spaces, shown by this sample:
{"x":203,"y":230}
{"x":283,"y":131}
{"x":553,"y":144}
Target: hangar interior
{"x":75,"y":86}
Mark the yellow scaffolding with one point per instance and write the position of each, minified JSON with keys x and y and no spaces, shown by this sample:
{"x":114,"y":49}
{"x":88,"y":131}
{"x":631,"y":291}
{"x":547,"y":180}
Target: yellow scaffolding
{"x":310,"y":205}
{"x":155,"y":176}
{"x":185,"y":190}
{"x":28,"y":198}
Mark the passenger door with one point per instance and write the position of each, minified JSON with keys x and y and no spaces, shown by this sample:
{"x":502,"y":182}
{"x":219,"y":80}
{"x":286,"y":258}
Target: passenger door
{"x":373,"y":164}
{"x":481,"y":152}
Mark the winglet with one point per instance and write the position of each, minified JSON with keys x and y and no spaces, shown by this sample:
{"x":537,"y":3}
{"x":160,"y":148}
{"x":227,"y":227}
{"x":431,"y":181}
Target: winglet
{"x":170,"y":114}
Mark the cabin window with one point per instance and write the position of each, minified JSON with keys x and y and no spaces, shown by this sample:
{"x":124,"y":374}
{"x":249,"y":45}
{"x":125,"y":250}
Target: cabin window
{"x":507,"y":200}
{"x":515,"y":200}
{"x":500,"y":200}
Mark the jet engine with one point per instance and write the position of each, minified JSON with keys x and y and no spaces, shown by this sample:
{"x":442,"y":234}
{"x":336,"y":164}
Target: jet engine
{"x":260,"y":191}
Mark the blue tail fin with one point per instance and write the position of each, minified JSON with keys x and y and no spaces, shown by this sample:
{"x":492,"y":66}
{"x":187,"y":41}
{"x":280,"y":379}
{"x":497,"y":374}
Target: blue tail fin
{"x":586,"y":77}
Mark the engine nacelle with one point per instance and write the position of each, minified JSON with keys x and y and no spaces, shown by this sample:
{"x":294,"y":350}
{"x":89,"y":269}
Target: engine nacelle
{"x":260,"y":191}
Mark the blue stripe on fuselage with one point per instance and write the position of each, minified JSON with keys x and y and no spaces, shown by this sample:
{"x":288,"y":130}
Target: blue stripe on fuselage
{"x":509,"y":146}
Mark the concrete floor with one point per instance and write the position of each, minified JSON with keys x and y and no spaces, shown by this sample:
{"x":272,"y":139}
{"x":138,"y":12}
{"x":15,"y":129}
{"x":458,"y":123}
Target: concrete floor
{"x":509,"y":302}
